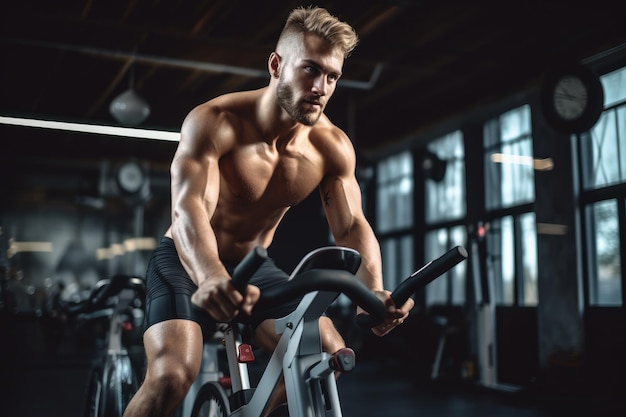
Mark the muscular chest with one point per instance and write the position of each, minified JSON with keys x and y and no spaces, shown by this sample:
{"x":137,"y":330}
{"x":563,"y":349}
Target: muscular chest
{"x":275,"y":181}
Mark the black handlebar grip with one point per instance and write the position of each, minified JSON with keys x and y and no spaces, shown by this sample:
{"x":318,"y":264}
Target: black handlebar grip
{"x":419,"y":279}
{"x":117,"y":283}
{"x":332,"y":280}
{"x":428,"y":273}
{"x":247,"y":267}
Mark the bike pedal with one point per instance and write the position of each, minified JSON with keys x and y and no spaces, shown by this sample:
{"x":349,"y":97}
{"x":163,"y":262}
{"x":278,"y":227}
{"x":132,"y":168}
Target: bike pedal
{"x":245,"y":354}
{"x":343,"y":360}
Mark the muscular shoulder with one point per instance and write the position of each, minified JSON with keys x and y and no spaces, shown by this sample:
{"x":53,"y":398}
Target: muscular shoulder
{"x":214,"y":126}
{"x":335,"y":147}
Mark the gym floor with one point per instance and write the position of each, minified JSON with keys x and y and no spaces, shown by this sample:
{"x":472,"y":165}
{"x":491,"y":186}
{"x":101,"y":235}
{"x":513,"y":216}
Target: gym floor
{"x":54,"y":388}
{"x":37,"y":382}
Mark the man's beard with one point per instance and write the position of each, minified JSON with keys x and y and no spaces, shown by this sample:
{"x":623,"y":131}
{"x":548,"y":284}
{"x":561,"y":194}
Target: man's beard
{"x":285,"y":96}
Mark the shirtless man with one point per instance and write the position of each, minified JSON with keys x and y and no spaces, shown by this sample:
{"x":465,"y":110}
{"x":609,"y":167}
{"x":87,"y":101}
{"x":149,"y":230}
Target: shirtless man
{"x":243,"y":160}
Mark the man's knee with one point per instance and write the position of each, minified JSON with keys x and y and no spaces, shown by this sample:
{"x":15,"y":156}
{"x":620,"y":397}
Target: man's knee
{"x":266,"y":337}
{"x":171,"y":379}
{"x":331,"y":339}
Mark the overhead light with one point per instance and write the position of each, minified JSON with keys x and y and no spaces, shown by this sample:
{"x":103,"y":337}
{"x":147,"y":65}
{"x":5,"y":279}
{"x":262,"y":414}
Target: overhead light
{"x":551,"y":229}
{"x":17,"y":247}
{"x":96,"y":129}
{"x":545,"y":164}
{"x":139,"y":243}
{"x":129,"y":109}
{"x":128,"y":246}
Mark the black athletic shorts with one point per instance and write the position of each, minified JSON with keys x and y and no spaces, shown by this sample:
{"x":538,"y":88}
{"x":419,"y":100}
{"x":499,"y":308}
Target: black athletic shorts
{"x":169,"y":289}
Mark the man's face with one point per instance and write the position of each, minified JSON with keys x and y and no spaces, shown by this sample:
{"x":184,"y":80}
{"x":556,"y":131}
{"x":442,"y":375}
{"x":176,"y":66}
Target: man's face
{"x":308,"y":77}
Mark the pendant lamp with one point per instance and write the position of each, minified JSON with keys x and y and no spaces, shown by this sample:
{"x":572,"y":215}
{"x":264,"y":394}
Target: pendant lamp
{"x":129,"y":109}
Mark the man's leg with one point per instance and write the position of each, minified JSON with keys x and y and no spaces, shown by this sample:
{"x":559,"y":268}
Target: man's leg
{"x":266,"y":338}
{"x":174,"y":354}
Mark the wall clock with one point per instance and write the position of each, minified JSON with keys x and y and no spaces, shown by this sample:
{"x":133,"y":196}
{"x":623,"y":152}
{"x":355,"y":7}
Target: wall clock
{"x":572,"y":98}
{"x":130,"y":177}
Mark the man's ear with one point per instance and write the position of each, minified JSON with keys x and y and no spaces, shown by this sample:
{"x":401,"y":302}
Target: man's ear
{"x":273,"y":64}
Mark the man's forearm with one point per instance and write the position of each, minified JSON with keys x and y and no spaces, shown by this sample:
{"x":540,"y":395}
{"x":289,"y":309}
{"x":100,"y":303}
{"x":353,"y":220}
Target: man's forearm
{"x":363,"y":240}
{"x":197,"y":249}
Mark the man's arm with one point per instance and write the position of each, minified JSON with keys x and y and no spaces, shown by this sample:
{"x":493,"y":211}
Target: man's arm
{"x":195,"y":184}
{"x":195,"y":190}
{"x":341,"y":197}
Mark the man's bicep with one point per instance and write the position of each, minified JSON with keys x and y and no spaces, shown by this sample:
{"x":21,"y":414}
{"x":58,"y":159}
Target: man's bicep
{"x":194,"y":170}
{"x":341,"y":198}
{"x":194,"y":178}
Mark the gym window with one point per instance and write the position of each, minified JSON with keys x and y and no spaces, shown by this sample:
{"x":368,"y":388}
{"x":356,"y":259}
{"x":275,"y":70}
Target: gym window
{"x":449,"y":289}
{"x":509,"y":194}
{"x":394,"y":216}
{"x":445,"y":210}
{"x":394,"y":193}
{"x":445,"y":197}
{"x":603,"y":148}
{"x":508,"y":144}
{"x":602,"y":174}
{"x":512,"y":256}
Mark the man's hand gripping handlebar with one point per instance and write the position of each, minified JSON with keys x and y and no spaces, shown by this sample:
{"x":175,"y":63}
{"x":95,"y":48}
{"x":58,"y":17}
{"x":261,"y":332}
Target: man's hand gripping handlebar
{"x":345,"y":282}
{"x":419,"y":279}
{"x":224,"y":297}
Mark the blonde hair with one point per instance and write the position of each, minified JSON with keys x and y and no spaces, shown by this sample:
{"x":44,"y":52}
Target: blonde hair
{"x":320,"y":22}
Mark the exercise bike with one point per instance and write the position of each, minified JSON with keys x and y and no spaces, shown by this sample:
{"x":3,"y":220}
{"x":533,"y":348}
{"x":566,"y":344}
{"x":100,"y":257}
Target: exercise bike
{"x":113,"y":378}
{"x":309,"y":372}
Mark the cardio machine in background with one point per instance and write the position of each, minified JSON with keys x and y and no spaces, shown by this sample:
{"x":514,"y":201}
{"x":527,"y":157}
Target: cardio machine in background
{"x":115,"y":374}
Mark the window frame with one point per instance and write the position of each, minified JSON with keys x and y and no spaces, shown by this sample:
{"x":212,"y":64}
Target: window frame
{"x":592,"y":195}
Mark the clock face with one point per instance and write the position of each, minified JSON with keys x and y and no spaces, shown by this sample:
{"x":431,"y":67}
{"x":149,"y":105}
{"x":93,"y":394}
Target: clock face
{"x":130,"y":177}
{"x":570,"y":97}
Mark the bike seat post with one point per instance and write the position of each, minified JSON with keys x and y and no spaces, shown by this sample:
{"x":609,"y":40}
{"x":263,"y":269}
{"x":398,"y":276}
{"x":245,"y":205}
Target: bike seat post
{"x":124,"y":300}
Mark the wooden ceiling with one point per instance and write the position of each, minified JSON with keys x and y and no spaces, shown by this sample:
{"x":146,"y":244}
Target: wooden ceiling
{"x":418,"y":64}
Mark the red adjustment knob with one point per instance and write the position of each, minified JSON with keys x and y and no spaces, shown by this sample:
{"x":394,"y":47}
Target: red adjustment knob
{"x":343,"y":360}
{"x":245,"y":354}
{"x":225,"y":382}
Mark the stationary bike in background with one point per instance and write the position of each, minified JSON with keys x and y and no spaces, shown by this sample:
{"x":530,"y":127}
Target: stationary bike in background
{"x":309,"y":372}
{"x":114,"y":377}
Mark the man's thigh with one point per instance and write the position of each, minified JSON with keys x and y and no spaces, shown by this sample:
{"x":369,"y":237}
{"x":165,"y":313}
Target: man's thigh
{"x":175,"y":342}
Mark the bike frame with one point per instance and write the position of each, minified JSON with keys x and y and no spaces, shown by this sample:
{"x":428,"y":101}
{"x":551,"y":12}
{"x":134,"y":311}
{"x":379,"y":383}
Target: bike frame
{"x":118,"y":374}
{"x":299,"y":357}
{"x":309,"y":372}
{"x":113,"y":381}
{"x":309,"y":379}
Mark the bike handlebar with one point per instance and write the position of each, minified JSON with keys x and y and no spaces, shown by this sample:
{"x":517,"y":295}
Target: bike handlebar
{"x":419,"y":279}
{"x":345,"y":282}
{"x":247,"y":267}
{"x":425,"y":275}
{"x":99,"y":296}
{"x":335,"y":280}
{"x":311,"y":280}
